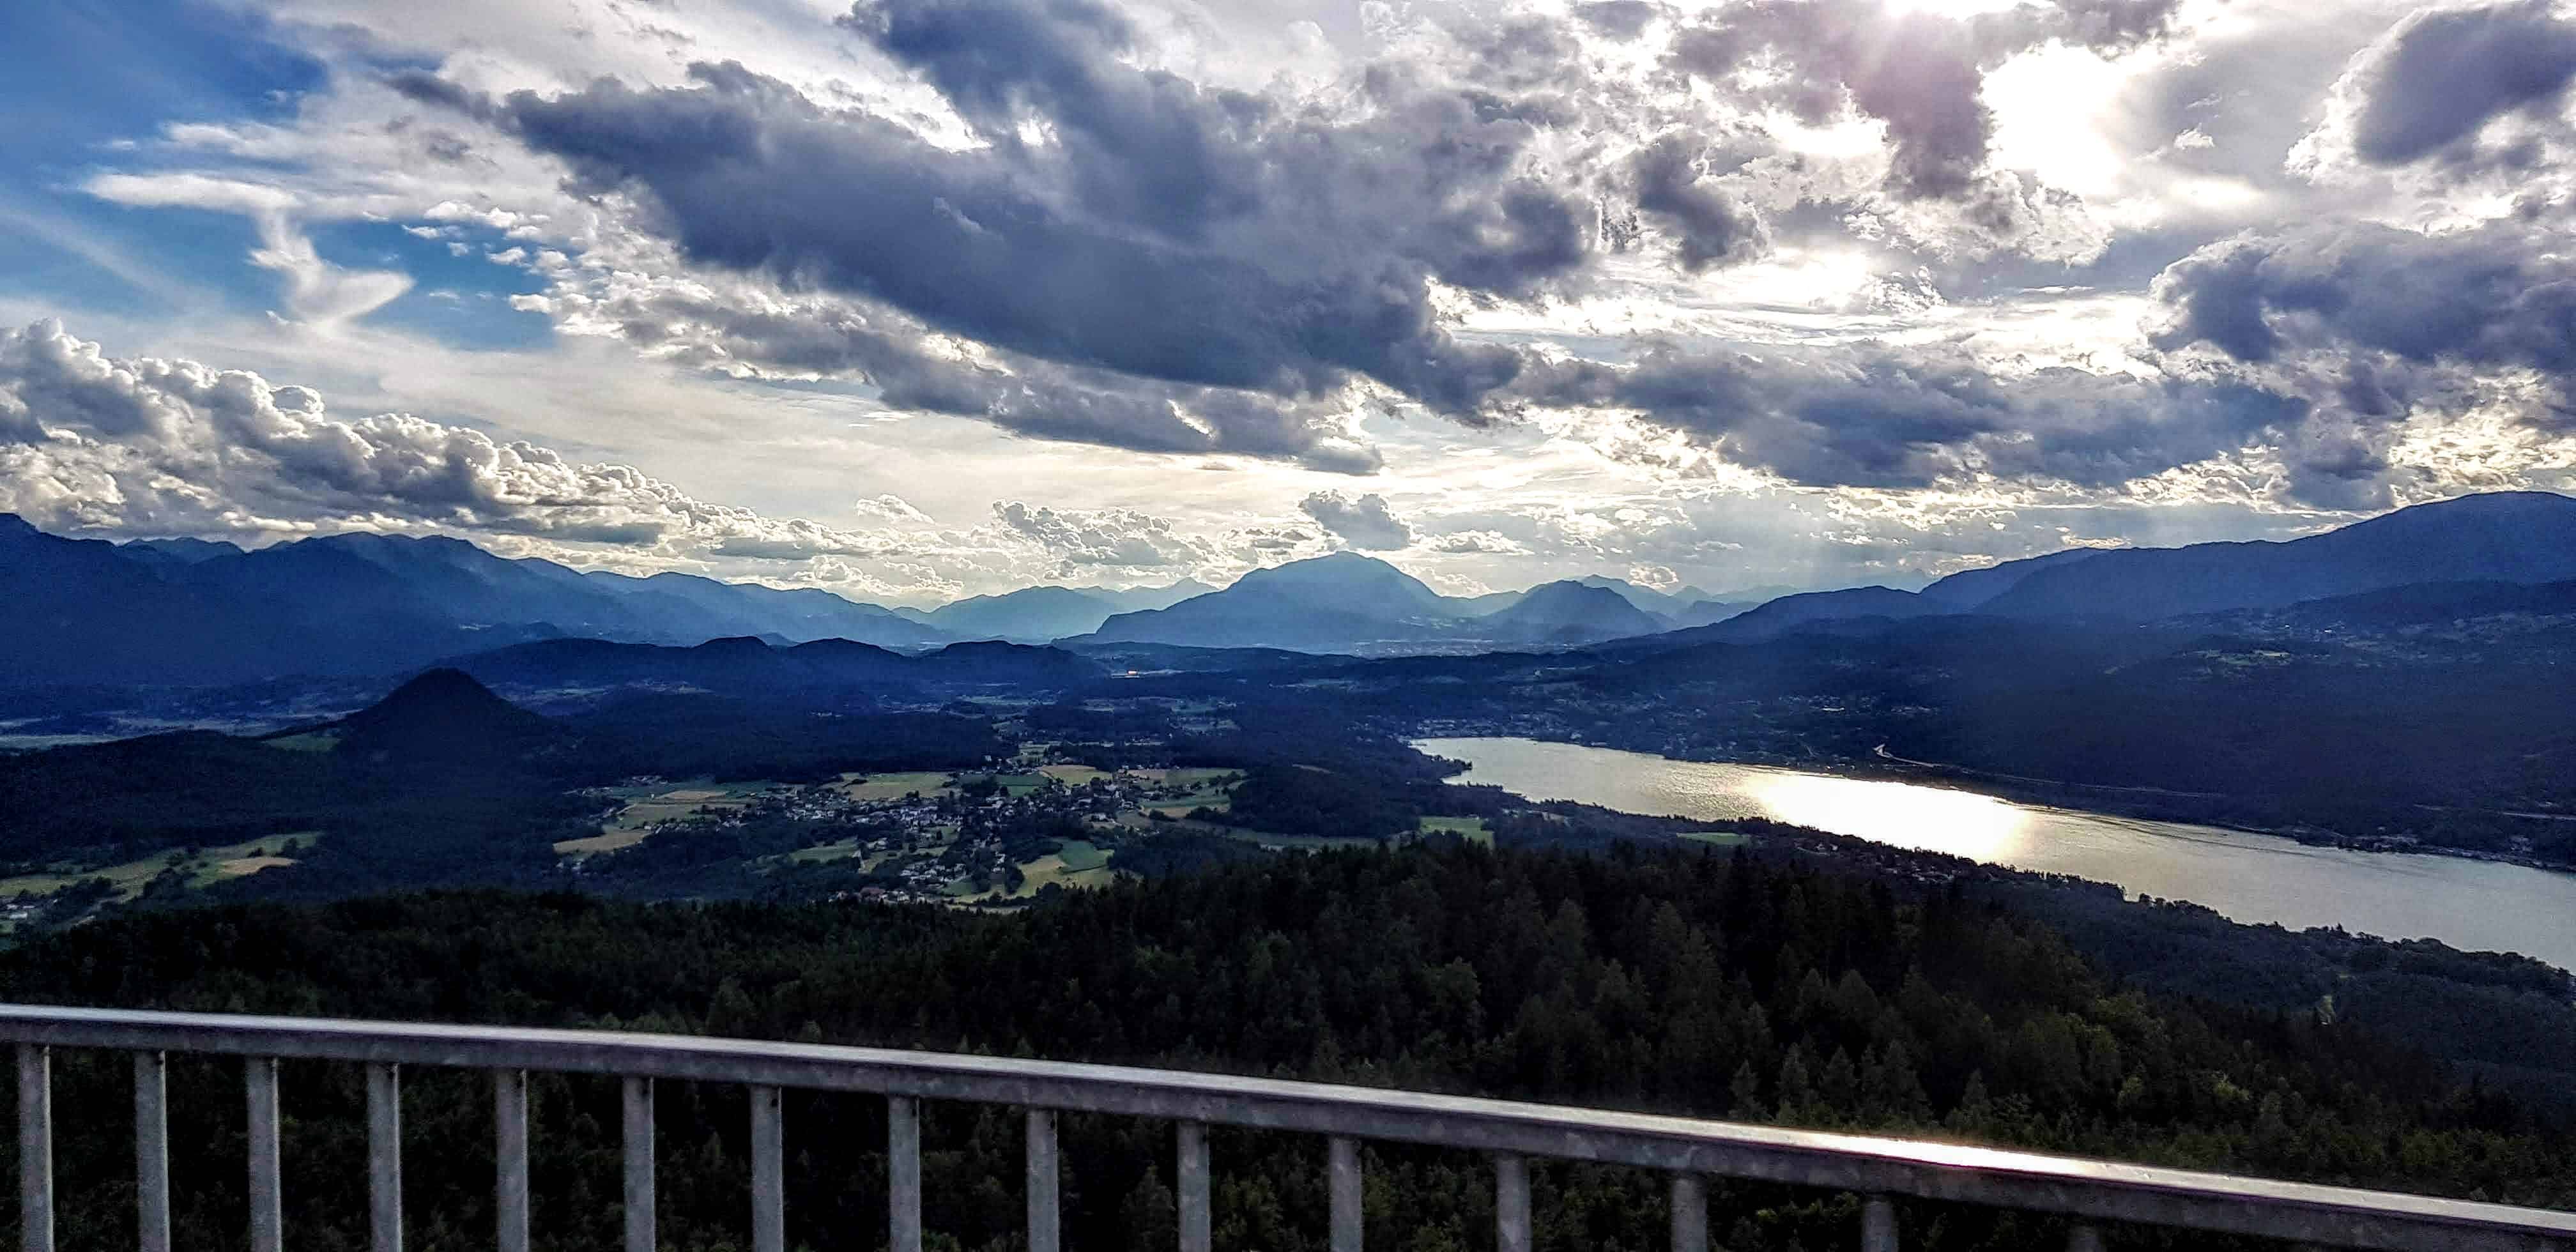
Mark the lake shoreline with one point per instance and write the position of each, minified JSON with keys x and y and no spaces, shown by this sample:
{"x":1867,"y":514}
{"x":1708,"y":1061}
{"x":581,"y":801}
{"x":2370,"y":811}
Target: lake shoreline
{"x":2070,"y":797}
{"x":2471,"y":903}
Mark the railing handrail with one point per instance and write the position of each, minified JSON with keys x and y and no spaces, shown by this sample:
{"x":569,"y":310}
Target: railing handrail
{"x":1871,"y":1164}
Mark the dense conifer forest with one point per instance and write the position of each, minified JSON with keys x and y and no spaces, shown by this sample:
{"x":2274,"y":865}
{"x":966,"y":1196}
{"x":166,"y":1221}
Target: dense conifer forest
{"x":1683,"y":981}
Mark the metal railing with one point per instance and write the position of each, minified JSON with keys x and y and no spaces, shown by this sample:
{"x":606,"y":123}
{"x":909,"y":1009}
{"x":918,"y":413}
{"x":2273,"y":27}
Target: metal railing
{"x":1882,"y":1170}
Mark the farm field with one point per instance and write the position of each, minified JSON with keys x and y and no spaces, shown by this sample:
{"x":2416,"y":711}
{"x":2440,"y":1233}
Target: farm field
{"x":1079,"y":864}
{"x":1471,"y":829}
{"x":647,"y":805}
{"x":207,"y":867}
{"x":895,"y":786}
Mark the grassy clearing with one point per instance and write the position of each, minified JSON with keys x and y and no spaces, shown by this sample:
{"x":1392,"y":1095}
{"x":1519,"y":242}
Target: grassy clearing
{"x":1079,"y":865}
{"x":1079,"y":855}
{"x":245,"y":866}
{"x":896,"y":786}
{"x":309,"y":741}
{"x":1471,"y":829}
{"x":209,"y":865}
{"x":1011,"y":784}
{"x":1718,"y":838}
{"x":1219,"y":800}
{"x":1266,"y":839}
{"x":608,"y":840}
{"x":647,"y":806}
{"x":1072,"y":775}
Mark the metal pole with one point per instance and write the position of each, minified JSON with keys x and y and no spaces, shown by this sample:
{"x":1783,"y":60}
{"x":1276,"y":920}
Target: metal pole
{"x":152,"y":1151}
{"x":1342,"y":1168}
{"x":768,"y":1173}
{"x":639,"y":1165}
{"x":1511,"y":1203}
{"x":2084,"y":1238}
{"x":1045,"y":1219}
{"x":510,"y":1159}
{"x":1193,"y":1179}
{"x":1877,"y":1225}
{"x":35,"y":1148}
{"x":903,"y":1173}
{"x":267,"y":1201}
{"x":1690,"y":1213}
{"x":384,"y":1156}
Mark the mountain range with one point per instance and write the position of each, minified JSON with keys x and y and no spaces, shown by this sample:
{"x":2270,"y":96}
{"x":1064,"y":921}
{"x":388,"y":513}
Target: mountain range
{"x":2514,"y":538}
{"x":1349,"y":603}
{"x":184,"y":612}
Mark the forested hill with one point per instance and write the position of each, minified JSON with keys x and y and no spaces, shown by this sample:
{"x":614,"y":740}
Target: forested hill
{"x":1684,"y":981}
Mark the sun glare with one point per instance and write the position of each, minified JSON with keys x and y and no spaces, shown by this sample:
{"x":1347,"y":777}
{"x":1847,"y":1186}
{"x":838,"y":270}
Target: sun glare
{"x":1933,"y":819}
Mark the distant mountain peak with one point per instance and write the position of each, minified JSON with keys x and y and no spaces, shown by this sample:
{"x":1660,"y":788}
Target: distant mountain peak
{"x":1348,"y":573}
{"x":441,"y":714}
{"x":13,"y":526}
{"x":439,"y":692}
{"x":1571,"y":610}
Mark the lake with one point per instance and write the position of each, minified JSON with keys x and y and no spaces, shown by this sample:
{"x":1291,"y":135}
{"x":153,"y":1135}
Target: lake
{"x":2471,"y":905}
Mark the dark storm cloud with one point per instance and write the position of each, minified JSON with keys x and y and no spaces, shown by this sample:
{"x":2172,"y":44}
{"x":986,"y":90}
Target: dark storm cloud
{"x":1619,"y":19}
{"x":2499,"y":295}
{"x":1712,"y":227}
{"x":2442,"y":74}
{"x":1141,"y":146}
{"x":1876,"y":416}
{"x":1918,"y":73}
{"x":1035,"y":398}
{"x":1172,"y":232}
{"x":423,"y":87}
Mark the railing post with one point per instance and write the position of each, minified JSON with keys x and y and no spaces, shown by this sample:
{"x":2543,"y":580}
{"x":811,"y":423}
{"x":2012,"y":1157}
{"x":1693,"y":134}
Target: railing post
{"x":639,"y":1164}
{"x":267,"y":1201}
{"x":1045,"y":1219}
{"x":1192,"y":1177}
{"x":2084,"y":1238}
{"x":35,"y":1148}
{"x":384,"y":1156}
{"x":1511,"y":1203}
{"x":152,"y":1151}
{"x":510,"y":1160}
{"x":1690,"y":1213}
{"x":903,"y":1173}
{"x":1877,"y":1224}
{"x":768,"y":1173}
{"x":1342,"y":1176}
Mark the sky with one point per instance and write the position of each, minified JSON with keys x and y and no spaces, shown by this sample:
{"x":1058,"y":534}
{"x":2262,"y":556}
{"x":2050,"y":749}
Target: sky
{"x":919,"y":299}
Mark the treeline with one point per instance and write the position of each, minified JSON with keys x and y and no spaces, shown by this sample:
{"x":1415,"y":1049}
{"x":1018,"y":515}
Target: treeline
{"x":1678,"y":981}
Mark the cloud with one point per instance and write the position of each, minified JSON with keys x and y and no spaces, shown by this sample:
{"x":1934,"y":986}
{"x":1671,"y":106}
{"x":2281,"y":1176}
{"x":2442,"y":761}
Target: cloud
{"x":1711,"y":226}
{"x":2435,"y":80}
{"x":2498,"y":295}
{"x":317,"y":291}
{"x":1299,"y":253}
{"x":1363,"y":522}
{"x":1479,"y":542}
{"x":1878,"y":416}
{"x":1110,"y":537}
{"x":1917,"y":72}
{"x":748,"y":332}
{"x":150,"y":446}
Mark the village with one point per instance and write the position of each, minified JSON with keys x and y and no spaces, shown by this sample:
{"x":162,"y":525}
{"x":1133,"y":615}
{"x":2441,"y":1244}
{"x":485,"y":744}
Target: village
{"x":967,"y":839}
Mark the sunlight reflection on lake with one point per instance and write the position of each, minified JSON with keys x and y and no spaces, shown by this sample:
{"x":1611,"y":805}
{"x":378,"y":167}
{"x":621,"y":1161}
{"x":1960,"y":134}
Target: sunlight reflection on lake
{"x":1933,"y":819}
{"x":2472,"y":905}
